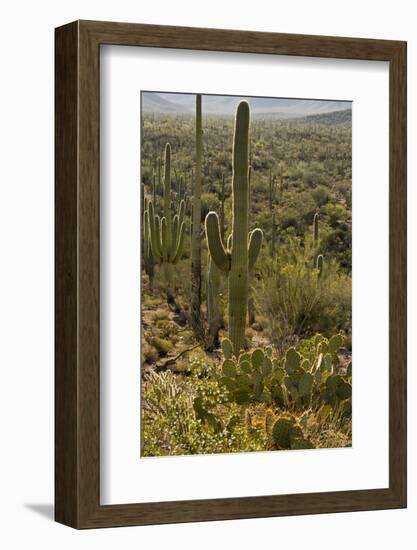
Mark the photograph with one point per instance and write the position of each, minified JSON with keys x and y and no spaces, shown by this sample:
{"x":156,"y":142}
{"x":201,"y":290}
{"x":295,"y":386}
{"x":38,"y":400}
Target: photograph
{"x":246,"y":275}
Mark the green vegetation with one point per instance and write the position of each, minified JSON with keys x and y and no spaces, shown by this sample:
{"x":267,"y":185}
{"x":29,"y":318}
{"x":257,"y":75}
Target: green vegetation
{"x":246,"y":242}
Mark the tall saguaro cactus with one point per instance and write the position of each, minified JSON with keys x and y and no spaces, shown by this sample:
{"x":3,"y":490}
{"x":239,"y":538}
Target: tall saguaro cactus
{"x":195,"y":313}
{"x":237,"y":260}
{"x":167,"y":233}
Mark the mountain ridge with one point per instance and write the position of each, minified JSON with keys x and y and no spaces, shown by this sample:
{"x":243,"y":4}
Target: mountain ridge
{"x":281,"y":108}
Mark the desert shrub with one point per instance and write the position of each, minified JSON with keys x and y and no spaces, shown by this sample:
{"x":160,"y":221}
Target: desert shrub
{"x":333,"y":310}
{"x":337,"y":244}
{"x":179,"y":276}
{"x":299,"y":212}
{"x":151,"y":300}
{"x":161,"y":345}
{"x":149,"y":353}
{"x":166,"y":410}
{"x":192,"y":417}
{"x":209,"y":201}
{"x":295,"y":301}
{"x":314,"y":175}
{"x":320,"y":195}
{"x":167,"y":329}
{"x":159,"y":314}
{"x":336,"y":213}
{"x":250,"y":333}
{"x":344,"y":188}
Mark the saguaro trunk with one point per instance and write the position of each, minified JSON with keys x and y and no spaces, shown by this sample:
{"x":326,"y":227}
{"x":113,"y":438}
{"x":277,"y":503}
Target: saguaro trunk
{"x":213,"y":305}
{"x":238,"y":277}
{"x":195,"y":313}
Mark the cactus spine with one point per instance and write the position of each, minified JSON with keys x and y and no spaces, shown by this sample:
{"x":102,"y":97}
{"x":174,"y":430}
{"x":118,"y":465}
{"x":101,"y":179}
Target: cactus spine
{"x":167,"y":233}
{"x":240,"y":258}
{"x":196,"y":230}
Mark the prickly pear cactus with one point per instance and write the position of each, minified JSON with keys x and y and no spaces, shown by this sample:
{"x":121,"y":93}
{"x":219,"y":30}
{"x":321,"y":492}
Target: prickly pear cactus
{"x":253,"y":377}
{"x":287,"y":434}
{"x":301,"y":380}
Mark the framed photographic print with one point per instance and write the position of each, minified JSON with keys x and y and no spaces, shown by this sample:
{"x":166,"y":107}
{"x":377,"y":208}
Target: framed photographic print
{"x":230,"y":274}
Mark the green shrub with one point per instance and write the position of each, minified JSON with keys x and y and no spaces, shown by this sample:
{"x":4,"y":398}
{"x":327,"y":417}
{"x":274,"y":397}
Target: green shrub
{"x":320,"y":195}
{"x":159,"y":314}
{"x":209,"y":201}
{"x":163,"y":346}
{"x":292,"y":299}
{"x":167,"y":329}
{"x":192,"y":417}
{"x":149,"y":353}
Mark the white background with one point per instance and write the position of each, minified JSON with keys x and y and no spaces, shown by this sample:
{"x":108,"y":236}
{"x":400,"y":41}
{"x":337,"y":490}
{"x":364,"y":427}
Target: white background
{"x":124,"y":476}
{"x":26,"y":289}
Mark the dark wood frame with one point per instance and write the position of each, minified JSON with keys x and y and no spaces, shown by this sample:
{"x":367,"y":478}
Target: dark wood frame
{"x":77,"y":274}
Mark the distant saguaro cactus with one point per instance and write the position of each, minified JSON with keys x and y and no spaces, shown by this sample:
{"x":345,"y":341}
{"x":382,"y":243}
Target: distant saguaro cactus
{"x":154,"y":188}
{"x":319,"y":266}
{"x":237,"y":260}
{"x":273,"y":235}
{"x":167,"y":233}
{"x":271,"y":191}
{"x":159,"y":172}
{"x":319,"y":259}
{"x":316,"y":228}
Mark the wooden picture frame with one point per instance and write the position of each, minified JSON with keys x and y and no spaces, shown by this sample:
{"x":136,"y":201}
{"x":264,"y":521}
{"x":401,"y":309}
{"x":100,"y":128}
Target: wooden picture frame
{"x":77,"y":403}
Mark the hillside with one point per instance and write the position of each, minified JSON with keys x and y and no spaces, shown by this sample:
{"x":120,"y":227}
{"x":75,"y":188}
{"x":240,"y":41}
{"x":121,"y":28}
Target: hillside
{"x":337,"y":118}
{"x":261,"y":107}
